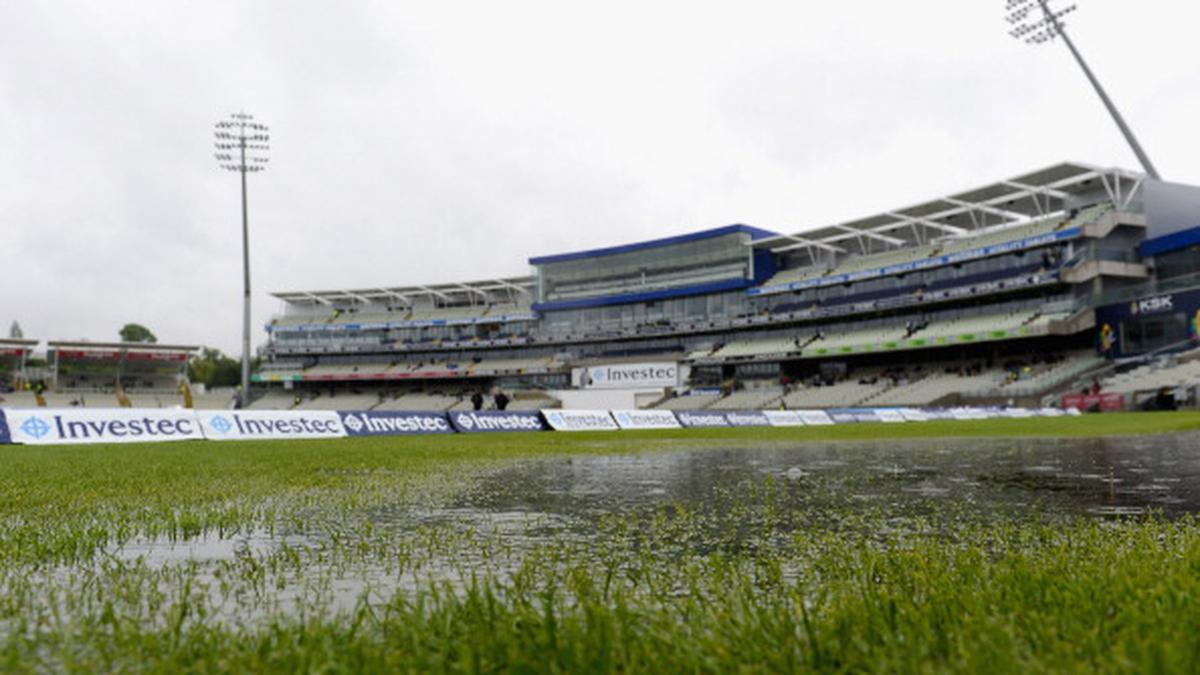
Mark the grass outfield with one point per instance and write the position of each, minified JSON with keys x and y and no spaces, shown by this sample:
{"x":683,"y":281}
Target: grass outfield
{"x":293,"y":568}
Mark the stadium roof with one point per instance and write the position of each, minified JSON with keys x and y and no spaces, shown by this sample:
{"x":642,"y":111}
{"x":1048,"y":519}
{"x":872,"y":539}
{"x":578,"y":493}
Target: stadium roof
{"x":84,"y":345}
{"x":1026,"y":198}
{"x":754,"y":232}
{"x":473,"y":292}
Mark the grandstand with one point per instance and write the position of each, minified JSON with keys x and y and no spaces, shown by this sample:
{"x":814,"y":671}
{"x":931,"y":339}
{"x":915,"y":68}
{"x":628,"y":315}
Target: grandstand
{"x":1040,"y":263}
{"x":14,"y":356}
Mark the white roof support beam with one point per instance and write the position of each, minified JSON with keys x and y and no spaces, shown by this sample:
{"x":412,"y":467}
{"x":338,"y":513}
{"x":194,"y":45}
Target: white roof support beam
{"x":431,"y":291}
{"x":510,"y":285}
{"x":910,"y":220}
{"x":871,"y":234}
{"x":801,"y":242}
{"x":477,"y":291}
{"x":994,"y":210}
{"x":400,"y":296}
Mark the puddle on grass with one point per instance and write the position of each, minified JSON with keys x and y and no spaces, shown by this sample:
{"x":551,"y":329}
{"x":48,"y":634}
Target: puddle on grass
{"x":565,"y":501}
{"x":1011,"y":477}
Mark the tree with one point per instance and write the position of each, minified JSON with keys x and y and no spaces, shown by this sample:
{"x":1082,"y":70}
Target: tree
{"x":214,"y":369}
{"x":136,"y":332}
{"x":15,"y":331}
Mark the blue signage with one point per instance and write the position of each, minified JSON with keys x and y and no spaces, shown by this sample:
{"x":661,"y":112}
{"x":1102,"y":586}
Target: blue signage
{"x":702,"y":419}
{"x":853,"y":415}
{"x":494,"y":420}
{"x":922,"y":264}
{"x":394,"y":423}
{"x":747,"y":419}
{"x":4,"y":435}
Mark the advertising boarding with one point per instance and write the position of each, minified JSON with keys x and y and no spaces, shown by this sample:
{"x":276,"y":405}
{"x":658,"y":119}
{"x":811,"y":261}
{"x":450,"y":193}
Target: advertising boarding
{"x":702,"y":419}
{"x":491,"y":421}
{"x":747,"y":419}
{"x":580,"y":420}
{"x":630,"y":376}
{"x":646,"y":419}
{"x":42,"y":426}
{"x":4,"y":437}
{"x":784,"y":418}
{"x":394,"y":423}
{"x":815,"y":418}
{"x":242,"y":425}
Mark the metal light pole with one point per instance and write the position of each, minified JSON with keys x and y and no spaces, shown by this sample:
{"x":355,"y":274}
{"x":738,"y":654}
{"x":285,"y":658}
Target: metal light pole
{"x":242,"y":146}
{"x":1035,"y":23}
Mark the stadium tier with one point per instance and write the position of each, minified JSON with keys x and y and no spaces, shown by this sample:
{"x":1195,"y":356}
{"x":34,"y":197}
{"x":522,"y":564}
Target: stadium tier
{"x":915,"y":306}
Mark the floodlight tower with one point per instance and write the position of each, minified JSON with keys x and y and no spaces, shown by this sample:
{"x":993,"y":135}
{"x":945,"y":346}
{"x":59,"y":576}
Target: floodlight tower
{"x":242,"y":146}
{"x":1036,"y":22}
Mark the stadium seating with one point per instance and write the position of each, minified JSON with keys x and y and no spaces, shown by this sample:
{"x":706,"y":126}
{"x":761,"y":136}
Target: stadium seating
{"x":977,"y":325}
{"x":345,"y":401}
{"x":1155,"y":376}
{"x":156,"y":400}
{"x":513,"y":366}
{"x":213,"y":399}
{"x":1041,"y":378}
{"x":1000,"y":236}
{"x":696,"y":402}
{"x":346,"y":370}
{"x":18,"y":399}
{"x":935,"y":386}
{"x":757,"y":398}
{"x":419,"y":401}
{"x":843,"y":394}
{"x":274,"y":399}
{"x":881,"y":260}
{"x":833,"y":343}
{"x":749,"y":348}
{"x":797,"y":275}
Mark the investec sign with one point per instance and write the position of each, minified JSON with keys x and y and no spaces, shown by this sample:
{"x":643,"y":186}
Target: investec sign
{"x":246,"y":425}
{"x":694,"y":420}
{"x":117,"y":425}
{"x":580,"y":420}
{"x":395,"y":423}
{"x":645,"y":419}
{"x":490,"y":421}
{"x":631,"y":376}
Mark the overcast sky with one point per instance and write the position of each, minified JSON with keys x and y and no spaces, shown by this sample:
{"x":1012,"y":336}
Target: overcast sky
{"x":423,"y":142}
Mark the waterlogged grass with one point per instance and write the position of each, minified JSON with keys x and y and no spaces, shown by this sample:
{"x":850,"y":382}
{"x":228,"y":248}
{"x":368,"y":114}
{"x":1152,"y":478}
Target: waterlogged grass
{"x":363,"y":556}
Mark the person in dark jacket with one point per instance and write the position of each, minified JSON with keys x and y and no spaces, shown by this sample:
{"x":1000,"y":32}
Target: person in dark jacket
{"x":477,"y":401}
{"x":501,"y":400}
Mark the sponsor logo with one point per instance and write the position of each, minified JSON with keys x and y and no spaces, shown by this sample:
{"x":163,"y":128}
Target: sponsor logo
{"x":35,"y":427}
{"x":646,"y":419}
{"x":352,"y":423}
{"x":747,"y":419}
{"x":282,"y":424}
{"x":497,"y":421}
{"x":1163,"y":303}
{"x":815,"y":417}
{"x":889,"y":415}
{"x":702,"y":419}
{"x":101,"y":426}
{"x":220,"y":424}
{"x":632,"y":375}
{"x":395,"y":423}
{"x":784,"y":418}
{"x":579,"y":420}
